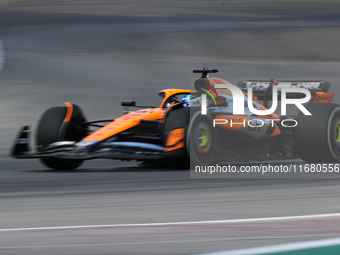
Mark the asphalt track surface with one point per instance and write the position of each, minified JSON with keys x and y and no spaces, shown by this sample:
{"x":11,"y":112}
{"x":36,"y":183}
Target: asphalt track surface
{"x":99,"y":53}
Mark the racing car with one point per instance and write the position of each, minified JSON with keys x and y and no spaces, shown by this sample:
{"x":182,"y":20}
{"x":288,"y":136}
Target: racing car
{"x":194,"y":126}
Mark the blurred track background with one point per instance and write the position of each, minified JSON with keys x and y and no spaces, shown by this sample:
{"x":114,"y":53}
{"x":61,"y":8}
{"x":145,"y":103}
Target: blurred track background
{"x":97,"y":53}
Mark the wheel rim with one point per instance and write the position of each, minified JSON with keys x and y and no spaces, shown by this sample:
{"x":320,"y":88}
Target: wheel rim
{"x":202,"y":139}
{"x":337,"y":132}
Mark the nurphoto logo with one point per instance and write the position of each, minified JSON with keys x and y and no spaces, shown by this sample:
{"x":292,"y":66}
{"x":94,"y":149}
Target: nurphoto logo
{"x":238,"y":103}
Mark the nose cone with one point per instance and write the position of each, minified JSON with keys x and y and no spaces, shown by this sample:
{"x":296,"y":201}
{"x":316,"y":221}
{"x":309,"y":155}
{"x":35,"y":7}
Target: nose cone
{"x":84,"y":147}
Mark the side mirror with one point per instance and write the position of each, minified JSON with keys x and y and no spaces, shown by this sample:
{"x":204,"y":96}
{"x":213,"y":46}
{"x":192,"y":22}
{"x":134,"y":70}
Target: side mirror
{"x":128,"y":103}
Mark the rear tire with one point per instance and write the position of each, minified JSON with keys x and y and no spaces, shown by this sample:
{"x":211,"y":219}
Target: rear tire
{"x":202,"y":140}
{"x":52,"y":128}
{"x":317,"y":137}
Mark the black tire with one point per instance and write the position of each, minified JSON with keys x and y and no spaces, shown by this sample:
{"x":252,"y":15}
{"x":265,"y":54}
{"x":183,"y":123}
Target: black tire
{"x":202,"y":140}
{"x":317,"y":137}
{"x":51,"y":129}
{"x":177,"y":118}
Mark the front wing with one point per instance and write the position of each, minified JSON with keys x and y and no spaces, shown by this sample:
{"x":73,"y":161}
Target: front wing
{"x":70,"y":150}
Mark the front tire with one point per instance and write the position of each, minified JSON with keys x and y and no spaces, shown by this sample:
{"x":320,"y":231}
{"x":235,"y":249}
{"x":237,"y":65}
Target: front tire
{"x":317,"y":137}
{"x":52,"y":128}
{"x":177,"y":118}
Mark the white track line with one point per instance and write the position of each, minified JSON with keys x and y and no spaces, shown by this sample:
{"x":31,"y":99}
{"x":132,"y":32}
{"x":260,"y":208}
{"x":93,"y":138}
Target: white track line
{"x":180,"y":223}
{"x":152,"y":242}
{"x":281,"y":247}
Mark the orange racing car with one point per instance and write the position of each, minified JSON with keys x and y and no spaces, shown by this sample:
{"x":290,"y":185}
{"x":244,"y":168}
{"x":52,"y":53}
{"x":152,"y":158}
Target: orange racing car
{"x":177,"y":129}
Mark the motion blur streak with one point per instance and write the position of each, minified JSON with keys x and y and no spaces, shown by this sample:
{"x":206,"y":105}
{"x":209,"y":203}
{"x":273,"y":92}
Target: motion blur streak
{"x":180,"y":223}
{"x":141,"y":234}
{"x":97,"y":53}
{"x":2,"y":55}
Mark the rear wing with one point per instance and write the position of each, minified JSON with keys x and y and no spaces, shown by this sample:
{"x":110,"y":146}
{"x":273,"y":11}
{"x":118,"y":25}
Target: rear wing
{"x":261,"y":89}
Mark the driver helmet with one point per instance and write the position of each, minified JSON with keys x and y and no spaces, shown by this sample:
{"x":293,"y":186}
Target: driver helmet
{"x":186,"y":100}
